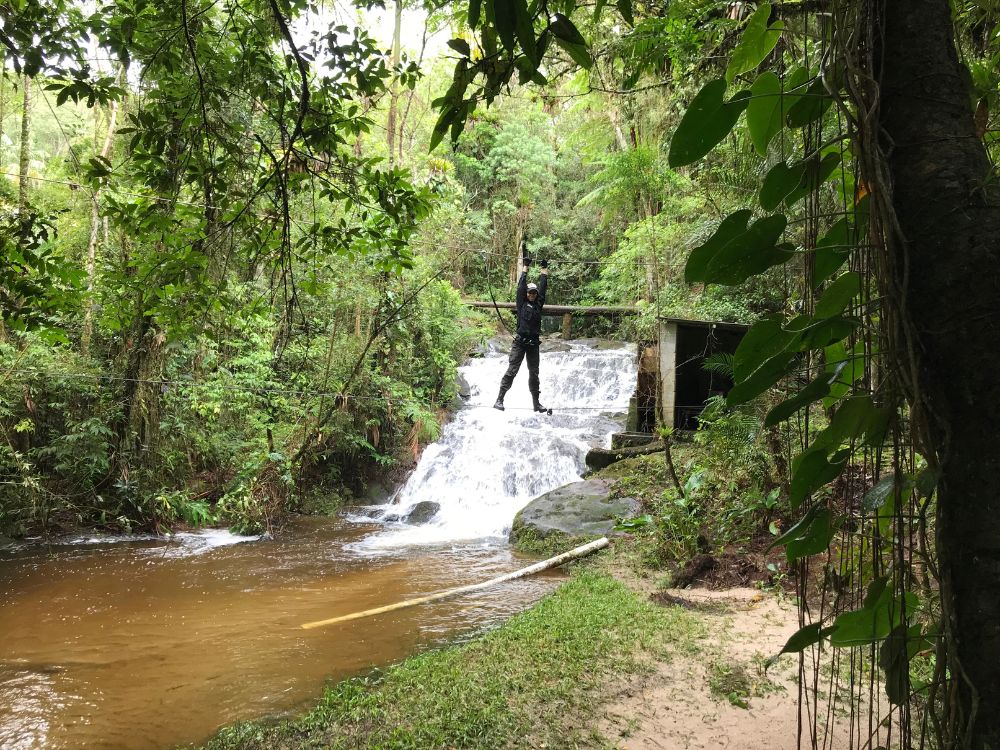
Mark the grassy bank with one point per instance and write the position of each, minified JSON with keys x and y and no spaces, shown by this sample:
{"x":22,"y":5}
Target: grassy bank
{"x":529,"y":682}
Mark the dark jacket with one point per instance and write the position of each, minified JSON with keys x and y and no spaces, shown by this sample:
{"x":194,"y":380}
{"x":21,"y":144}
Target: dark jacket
{"x":529,"y":314}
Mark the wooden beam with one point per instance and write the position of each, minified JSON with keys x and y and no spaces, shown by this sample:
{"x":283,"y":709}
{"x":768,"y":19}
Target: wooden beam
{"x":560,"y":309}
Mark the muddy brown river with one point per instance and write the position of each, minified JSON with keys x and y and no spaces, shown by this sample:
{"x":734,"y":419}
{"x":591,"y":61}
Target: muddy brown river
{"x":156,"y":643}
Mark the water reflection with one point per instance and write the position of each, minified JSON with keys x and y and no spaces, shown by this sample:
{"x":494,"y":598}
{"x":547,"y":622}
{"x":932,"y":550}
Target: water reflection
{"x":153,"y":643}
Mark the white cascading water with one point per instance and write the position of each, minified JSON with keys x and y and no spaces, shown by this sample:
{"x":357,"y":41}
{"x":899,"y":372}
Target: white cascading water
{"x":489,"y":464}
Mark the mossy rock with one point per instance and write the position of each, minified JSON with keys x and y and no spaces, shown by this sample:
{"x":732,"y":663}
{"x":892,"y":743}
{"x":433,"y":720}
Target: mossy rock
{"x":569,"y":515}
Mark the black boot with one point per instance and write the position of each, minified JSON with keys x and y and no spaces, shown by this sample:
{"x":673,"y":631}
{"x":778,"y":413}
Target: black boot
{"x":499,"y":403}
{"x":534,"y":401}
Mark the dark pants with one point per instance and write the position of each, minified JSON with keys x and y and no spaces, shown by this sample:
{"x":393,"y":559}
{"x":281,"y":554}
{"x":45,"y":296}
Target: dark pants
{"x":518,"y":352}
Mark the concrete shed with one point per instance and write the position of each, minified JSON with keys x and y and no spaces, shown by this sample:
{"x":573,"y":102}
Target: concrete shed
{"x":684,"y":384}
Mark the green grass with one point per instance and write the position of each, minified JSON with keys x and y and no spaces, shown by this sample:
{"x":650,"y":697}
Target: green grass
{"x":534,"y":680}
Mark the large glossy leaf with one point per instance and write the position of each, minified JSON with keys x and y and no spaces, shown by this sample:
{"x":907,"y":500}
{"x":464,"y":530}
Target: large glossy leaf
{"x":802,"y":639}
{"x":505,"y":20}
{"x":765,"y":376}
{"x":625,"y":8}
{"x":737,"y":251}
{"x":525,"y":32}
{"x":770,"y":102}
{"x":857,"y":418}
{"x":875,"y":497}
{"x":475,"y":8}
{"x":881,"y":612}
{"x":765,"y":339}
{"x":838,"y":295}
{"x":813,"y":538}
{"x":847,"y":367}
{"x":763,"y":110}
{"x":780,"y":181}
{"x":832,"y":250}
{"x":571,"y":40}
{"x":811,"y":469}
{"x":708,"y":120}
{"x":812,"y":105}
{"x":756,"y":43}
{"x":816,"y":390}
{"x":790,"y":184}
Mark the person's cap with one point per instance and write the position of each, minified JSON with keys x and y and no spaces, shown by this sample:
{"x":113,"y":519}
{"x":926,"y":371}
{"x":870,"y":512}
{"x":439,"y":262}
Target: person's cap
{"x":532,"y":287}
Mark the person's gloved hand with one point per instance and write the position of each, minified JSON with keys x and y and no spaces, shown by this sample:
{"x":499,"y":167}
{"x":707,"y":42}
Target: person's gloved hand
{"x":543,"y":263}
{"x":527,"y":261}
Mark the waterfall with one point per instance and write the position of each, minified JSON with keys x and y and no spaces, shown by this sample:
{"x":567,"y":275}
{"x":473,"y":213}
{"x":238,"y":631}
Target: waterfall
{"x":489,"y":464}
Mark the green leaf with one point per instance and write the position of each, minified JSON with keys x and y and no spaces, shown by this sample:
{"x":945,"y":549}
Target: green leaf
{"x":444,"y":121}
{"x":765,"y":376}
{"x":802,"y":639}
{"x":791,"y":184}
{"x":763,"y":111}
{"x":831,"y":251}
{"x":770,"y":103}
{"x":811,"y":469}
{"x":839,"y":295}
{"x":813,"y":538}
{"x":505,"y":19}
{"x":816,"y":390}
{"x":847,"y":367}
{"x":475,"y":9}
{"x":881,"y":612}
{"x":875,"y":497}
{"x":812,"y":105}
{"x":708,"y":120}
{"x":571,"y":40}
{"x":766,"y":338}
{"x":780,"y":181}
{"x":625,"y":8}
{"x":461,"y":46}
{"x":735,"y":251}
{"x":901,"y":645}
{"x":856,"y":418}
{"x":598,"y":9}
{"x":525,"y":31}
{"x":756,"y":43}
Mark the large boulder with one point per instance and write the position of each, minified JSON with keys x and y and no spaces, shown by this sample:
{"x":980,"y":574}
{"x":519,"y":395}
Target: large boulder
{"x":570,"y":514}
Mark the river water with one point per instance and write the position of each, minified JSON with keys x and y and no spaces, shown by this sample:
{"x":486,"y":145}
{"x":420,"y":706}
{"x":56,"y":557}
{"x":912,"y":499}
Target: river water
{"x":153,"y":642}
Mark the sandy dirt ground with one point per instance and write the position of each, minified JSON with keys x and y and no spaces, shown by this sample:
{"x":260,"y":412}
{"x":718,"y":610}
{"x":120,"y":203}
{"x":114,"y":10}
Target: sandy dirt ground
{"x":675,"y":707}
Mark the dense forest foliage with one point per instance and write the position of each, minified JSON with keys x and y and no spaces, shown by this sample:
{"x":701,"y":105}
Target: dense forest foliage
{"x":236,"y":238}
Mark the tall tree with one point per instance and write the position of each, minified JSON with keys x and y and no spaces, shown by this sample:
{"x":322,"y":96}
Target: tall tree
{"x":940,"y":210}
{"x":24,"y":161}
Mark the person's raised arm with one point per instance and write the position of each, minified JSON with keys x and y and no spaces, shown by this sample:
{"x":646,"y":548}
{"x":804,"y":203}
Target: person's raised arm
{"x":543,"y":281}
{"x":522,"y":283}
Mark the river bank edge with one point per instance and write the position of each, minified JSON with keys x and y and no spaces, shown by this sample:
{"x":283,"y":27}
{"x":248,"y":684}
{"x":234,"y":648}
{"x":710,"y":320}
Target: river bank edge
{"x":572,"y":671}
{"x":531,"y":682}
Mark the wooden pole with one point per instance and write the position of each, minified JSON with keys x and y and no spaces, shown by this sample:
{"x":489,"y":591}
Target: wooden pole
{"x":552,"y":562}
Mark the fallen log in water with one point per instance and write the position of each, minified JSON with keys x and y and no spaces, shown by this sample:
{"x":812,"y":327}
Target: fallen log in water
{"x":552,"y":562}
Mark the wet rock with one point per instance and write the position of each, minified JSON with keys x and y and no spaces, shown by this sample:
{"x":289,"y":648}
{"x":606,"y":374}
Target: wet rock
{"x":554,"y":345}
{"x":422,"y":512}
{"x":601,"y":344}
{"x":5,"y":542}
{"x":574,"y":511}
{"x":599,"y":458}
{"x":632,"y":439}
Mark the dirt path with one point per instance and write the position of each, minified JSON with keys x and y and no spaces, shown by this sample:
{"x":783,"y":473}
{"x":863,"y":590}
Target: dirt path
{"x":719,"y":697}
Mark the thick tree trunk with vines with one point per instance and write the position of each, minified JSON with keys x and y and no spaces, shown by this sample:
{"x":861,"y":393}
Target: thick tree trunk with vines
{"x":944,"y":264}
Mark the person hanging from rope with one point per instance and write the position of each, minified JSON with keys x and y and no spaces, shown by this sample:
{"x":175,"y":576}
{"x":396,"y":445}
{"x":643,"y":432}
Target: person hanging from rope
{"x":530,"y":300}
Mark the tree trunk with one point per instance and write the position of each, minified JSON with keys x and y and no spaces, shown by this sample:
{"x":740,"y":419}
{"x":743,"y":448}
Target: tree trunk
{"x":944,"y":272}
{"x":390,"y":126}
{"x":25,"y":160}
{"x":95,"y":233}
